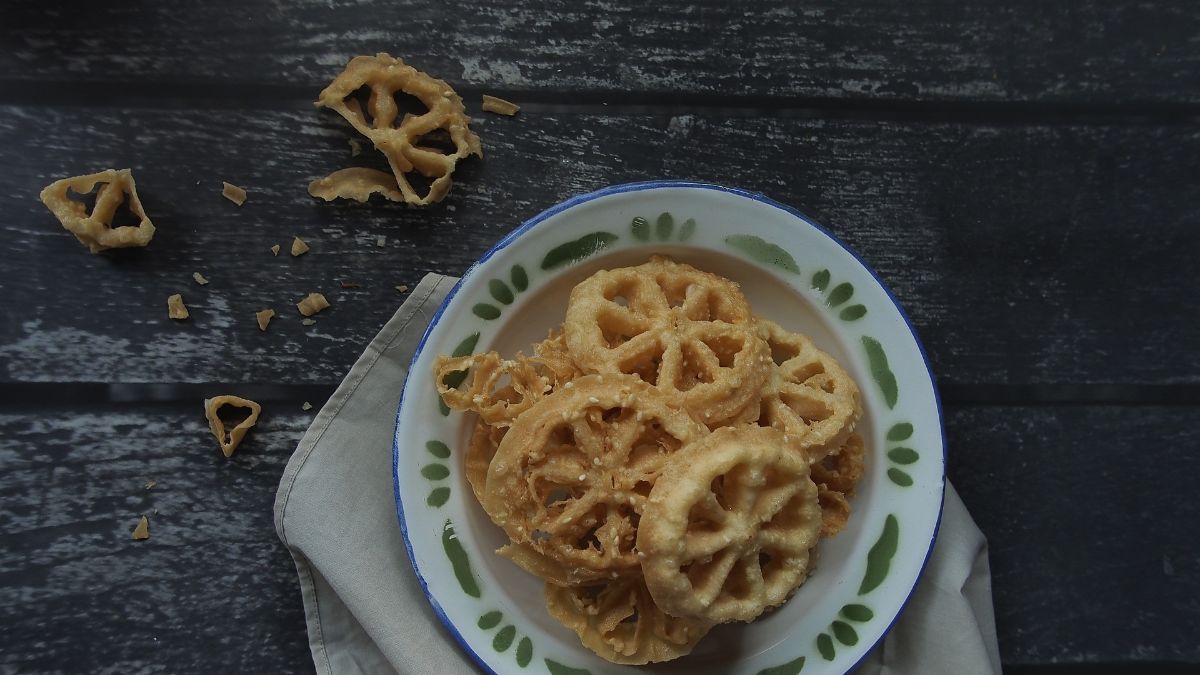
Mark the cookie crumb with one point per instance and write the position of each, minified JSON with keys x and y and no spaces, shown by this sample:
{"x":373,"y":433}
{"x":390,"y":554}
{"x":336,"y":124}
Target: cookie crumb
{"x":150,"y":484}
{"x":233,"y":193}
{"x":401,"y":288}
{"x":349,"y":284}
{"x":275,"y":250}
{"x":499,"y":106}
{"x":312,"y":303}
{"x":308,"y":322}
{"x":306,"y":406}
{"x":264,"y":317}
{"x":199,"y":278}
{"x":355,"y":147}
{"x":175,"y":307}
{"x":142,"y":530}
{"x":381,"y":241}
{"x":299,"y":248}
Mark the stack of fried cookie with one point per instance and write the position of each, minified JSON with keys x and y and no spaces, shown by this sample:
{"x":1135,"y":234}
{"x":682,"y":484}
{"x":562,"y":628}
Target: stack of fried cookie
{"x":665,"y":462}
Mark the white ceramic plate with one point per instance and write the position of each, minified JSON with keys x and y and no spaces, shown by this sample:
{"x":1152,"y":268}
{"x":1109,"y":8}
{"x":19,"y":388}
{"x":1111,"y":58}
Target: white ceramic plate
{"x":792,"y":271}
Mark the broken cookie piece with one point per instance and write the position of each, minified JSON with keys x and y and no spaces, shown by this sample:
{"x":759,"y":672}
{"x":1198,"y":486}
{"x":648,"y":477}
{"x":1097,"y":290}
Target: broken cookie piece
{"x":264,"y":317}
{"x":199,"y":278}
{"x":312,"y":303}
{"x":299,"y":248}
{"x":233,"y":193}
{"x":95,"y":230}
{"x":141,"y":531}
{"x":499,"y":106}
{"x":236,"y":434}
{"x":275,"y":250}
{"x":175,"y":307}
{"x":428,"y":143}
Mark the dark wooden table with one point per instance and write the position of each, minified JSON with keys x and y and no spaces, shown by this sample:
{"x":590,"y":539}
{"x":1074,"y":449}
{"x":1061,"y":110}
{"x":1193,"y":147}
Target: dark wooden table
{"x":1024,"y":175}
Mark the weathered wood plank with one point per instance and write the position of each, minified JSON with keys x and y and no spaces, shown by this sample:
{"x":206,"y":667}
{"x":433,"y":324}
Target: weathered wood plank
{"x":1017,"y":50}
{"x":1090,"y":525}
{"x":212,"y":590}
{"x":1024,"y":255}
{"x":1084,"y":519}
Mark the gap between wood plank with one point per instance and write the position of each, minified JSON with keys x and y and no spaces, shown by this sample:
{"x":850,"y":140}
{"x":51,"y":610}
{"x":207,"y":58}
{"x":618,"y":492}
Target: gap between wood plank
{"x":257,"y":97}
{"x":51,"y":395}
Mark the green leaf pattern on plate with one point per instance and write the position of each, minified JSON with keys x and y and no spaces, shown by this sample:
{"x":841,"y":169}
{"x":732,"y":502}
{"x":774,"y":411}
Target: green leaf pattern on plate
{"x":842,"y":630}
{"x":879,"y":558}
{"x":837,"y":297}
{"x":505,"y":637}
{"x":763,"y":251}
{"x":663,"y":230}
{"x":881,"y":372}
{"x":902,"y":455}
{"x":579,"y":249}
{"x":435,"y":472}
{"x":459,"y":562}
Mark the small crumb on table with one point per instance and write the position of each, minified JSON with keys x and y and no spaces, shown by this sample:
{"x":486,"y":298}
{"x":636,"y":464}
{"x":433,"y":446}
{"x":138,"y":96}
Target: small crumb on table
{"x":308,"y":322}
{"x":199,"y":278}
{"x":299,"y":248}
{"x":175,"y":307}
{"x":264,"y":317}
{"x":142,"y":530}
{"x":150,"y":484}
{"x":275,"y":250}
{"x":402,"y":288}
{"x":381,"y":241}
{"x":499,"y":106}
{"x":306,"y":406}
{"x":233,"y":193}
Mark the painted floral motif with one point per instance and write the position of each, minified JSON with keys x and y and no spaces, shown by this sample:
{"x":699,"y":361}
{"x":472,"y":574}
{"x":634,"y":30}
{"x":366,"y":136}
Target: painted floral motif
{"x":505,"y":637}
{"x":838,"y":296}
{"x":502,"y":293}
{"x":664,"y":228}
{"x":763,"y":251}
{"x":437,"y":472}
{"x":901,"y":454}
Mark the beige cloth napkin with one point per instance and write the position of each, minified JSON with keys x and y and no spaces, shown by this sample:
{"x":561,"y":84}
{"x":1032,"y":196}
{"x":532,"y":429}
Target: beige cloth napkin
{"x":366,"y":612}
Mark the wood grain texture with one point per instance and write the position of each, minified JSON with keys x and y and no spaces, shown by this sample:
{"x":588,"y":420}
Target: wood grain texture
{"x":1024,"y":254}
{"x":1109,"y":573}
{"x":1016,"y":50}
{"x":1090,"y":525}
{"x":212,"y":590}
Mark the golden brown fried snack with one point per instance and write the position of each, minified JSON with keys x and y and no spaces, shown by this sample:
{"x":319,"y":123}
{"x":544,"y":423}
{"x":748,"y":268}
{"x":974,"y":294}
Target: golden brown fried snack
{"x":809,"y":396}
{"x":619,"y":621}
{"x":837,"y":476}
{"x":494,"y":104}
{"x":842,"y":470}
{"x":689,"y":333}
{"x":406,"y":141}
{"x":478,"y":457}
{"x":236,"y":434}
{"x":481,"y":391}
{"x":175,"y":307}
{"x":95,"y":229}
{"x":572,"y":474}
{"x":312,"y":303}
{"x":729,"y":528}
